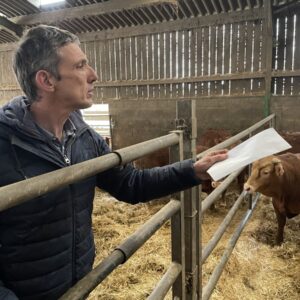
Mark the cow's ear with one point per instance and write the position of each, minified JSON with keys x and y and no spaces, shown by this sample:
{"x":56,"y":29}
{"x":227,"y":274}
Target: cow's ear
{"x":278,"y":167}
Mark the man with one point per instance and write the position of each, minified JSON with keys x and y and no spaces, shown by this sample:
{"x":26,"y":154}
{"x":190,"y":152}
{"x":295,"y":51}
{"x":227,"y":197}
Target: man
{"x":46,"y":244}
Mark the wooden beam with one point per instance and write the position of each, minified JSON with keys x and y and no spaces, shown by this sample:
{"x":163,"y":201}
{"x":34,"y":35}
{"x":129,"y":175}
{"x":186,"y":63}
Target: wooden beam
{"x":14,"y":29}
{"x":287,"y":9}
{"x":218,"y":77}
{"x":86,"y":11}
{"x":268,"y":54}
{"x":197,"y":22}
{"x":281,"y":73}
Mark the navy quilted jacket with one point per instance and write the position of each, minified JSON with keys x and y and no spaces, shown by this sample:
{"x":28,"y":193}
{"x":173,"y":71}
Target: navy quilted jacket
{"x":46,"y":244}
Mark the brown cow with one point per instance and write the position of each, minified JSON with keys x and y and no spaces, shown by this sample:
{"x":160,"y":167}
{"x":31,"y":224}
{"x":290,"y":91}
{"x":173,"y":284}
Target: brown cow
{"x":278,"y":177}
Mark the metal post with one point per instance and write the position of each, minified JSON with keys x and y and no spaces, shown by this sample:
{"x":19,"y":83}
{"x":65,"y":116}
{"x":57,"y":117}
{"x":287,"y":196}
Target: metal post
{"x":186,"y":121}
{"x":177,"y":228}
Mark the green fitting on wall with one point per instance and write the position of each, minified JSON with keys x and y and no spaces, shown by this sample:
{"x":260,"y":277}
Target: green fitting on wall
{"x":267,"y":105}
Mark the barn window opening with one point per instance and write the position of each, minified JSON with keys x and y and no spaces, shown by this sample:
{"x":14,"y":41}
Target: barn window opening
{"x":46,"y":2}
{"x":97,"y":117}
{"x":40,"y":3}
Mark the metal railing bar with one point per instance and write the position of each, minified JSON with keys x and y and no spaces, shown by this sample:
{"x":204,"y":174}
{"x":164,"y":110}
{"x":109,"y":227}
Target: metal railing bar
{"x":96,"y":276}
{"x":22,"y":191}
{"x":236,"y":138}
{"x":221,"y":229}
{"x":213,"y":196}
{"x":208,"y":289}
{"x":166,"y":282}
{"x":83,"y":287}
{"x":137,"y":239}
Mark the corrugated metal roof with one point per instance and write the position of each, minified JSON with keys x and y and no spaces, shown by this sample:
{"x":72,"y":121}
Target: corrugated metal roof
{"x":155,"y":12}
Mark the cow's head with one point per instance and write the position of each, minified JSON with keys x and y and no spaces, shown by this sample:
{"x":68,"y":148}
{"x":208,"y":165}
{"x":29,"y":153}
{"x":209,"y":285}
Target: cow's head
{"x":265,"y":174}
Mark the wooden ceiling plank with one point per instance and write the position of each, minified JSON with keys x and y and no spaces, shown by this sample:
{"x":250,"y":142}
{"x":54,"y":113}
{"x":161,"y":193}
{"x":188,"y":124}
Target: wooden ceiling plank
{"x":141,"y":16}
{"x":167,"y":12}
{"x":222,"y":6}
{"x":182,"y":9}
{"x":12,"y":28}
{"x":163,"y":18}
{"x":231,"y":5}
{"x":215,"y":6}
{"x":188,"y":5}
{"x":206,"y":7}
{"x":196,"y":3}
{"x":124,"y":17}
{"x":240,"y":5}
{"x":150,"y":14}
{"x":145,"y":16}
{"x":107,"y":21}
{"x":114,"y":20}
{"x":197,"y":22}
{"x":119,"y":19}
{"x":86,"y":11}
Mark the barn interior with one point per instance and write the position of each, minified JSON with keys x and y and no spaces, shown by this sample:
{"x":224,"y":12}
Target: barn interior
{"x":238,"y":59}
{"x":234,"y":57}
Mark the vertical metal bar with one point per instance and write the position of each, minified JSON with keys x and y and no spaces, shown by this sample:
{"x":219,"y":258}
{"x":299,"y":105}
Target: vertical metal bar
{"x":208,"y":289}
{"x":177,"y":228}
{"x":186,"y":119}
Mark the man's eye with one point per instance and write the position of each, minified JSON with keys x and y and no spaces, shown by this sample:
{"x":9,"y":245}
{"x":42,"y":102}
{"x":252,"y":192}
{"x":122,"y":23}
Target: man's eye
{"x":81,"y":65}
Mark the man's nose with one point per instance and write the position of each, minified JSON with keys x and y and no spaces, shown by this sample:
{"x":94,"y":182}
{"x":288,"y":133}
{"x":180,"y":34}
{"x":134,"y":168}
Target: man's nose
{"x":92,"y":75}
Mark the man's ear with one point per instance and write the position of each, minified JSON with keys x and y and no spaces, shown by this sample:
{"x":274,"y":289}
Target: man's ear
{"x":278,"y":167}
{"x":44,"y":81}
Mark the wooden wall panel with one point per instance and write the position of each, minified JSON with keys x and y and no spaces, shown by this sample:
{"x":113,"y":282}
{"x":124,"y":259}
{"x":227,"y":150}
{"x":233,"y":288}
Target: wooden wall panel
{"x":211,"y":61}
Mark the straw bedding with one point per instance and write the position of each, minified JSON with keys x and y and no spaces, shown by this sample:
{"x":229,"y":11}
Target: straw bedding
{"x":256,"y":270}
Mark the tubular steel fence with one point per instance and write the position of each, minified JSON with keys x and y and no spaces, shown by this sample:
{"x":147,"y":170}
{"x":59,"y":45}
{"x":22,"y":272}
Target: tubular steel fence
{"x":184,"y":274}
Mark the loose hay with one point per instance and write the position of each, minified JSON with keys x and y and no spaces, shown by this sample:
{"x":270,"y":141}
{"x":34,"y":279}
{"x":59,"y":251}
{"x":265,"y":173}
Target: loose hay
{"x":256,"y":270}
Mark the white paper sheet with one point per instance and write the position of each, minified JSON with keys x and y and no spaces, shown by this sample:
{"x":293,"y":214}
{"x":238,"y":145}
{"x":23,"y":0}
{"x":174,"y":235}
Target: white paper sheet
{"x":264,"y":143}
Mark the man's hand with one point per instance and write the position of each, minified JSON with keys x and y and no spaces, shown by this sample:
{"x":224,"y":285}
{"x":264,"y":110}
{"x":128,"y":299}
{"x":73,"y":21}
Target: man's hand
{"x":202,"y":165}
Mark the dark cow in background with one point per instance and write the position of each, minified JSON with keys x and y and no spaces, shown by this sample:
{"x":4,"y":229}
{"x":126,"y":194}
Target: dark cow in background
{"x":160,"y":158}
{"x":208,"y":139}
{"x":278,"y":177}
{"x":212,"y":137}
{"x":293,"y":138}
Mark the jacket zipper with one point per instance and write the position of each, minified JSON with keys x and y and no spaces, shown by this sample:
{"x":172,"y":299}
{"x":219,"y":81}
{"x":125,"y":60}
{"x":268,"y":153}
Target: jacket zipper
{"x":68,"y":162}
{"x":66,"y":158}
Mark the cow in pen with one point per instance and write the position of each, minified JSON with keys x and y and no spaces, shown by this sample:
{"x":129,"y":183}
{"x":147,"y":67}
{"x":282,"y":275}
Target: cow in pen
{"x":278,"y":177}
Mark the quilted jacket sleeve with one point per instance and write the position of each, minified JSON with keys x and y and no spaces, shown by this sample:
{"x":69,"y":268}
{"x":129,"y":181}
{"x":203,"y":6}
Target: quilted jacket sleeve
{"x":132,"y":185}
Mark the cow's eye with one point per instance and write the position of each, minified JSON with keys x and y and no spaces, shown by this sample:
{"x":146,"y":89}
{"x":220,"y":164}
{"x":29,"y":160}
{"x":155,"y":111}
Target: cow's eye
{"x":265,"y":172}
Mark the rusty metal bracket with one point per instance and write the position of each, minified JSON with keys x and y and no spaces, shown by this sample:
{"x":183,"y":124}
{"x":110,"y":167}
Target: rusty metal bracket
{"x":182,"y":125}
{"x":190,"y":279}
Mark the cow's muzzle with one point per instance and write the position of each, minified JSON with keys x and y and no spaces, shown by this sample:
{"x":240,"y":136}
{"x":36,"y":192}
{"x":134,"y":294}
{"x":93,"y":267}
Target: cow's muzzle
{"x":248,"y":188}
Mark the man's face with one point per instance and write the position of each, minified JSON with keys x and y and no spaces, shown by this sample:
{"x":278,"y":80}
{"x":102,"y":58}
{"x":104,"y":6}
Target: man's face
{"x":74,"y":90}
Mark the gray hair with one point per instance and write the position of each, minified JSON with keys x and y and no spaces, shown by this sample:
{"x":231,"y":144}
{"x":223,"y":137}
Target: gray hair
{"x":38,"y":50}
